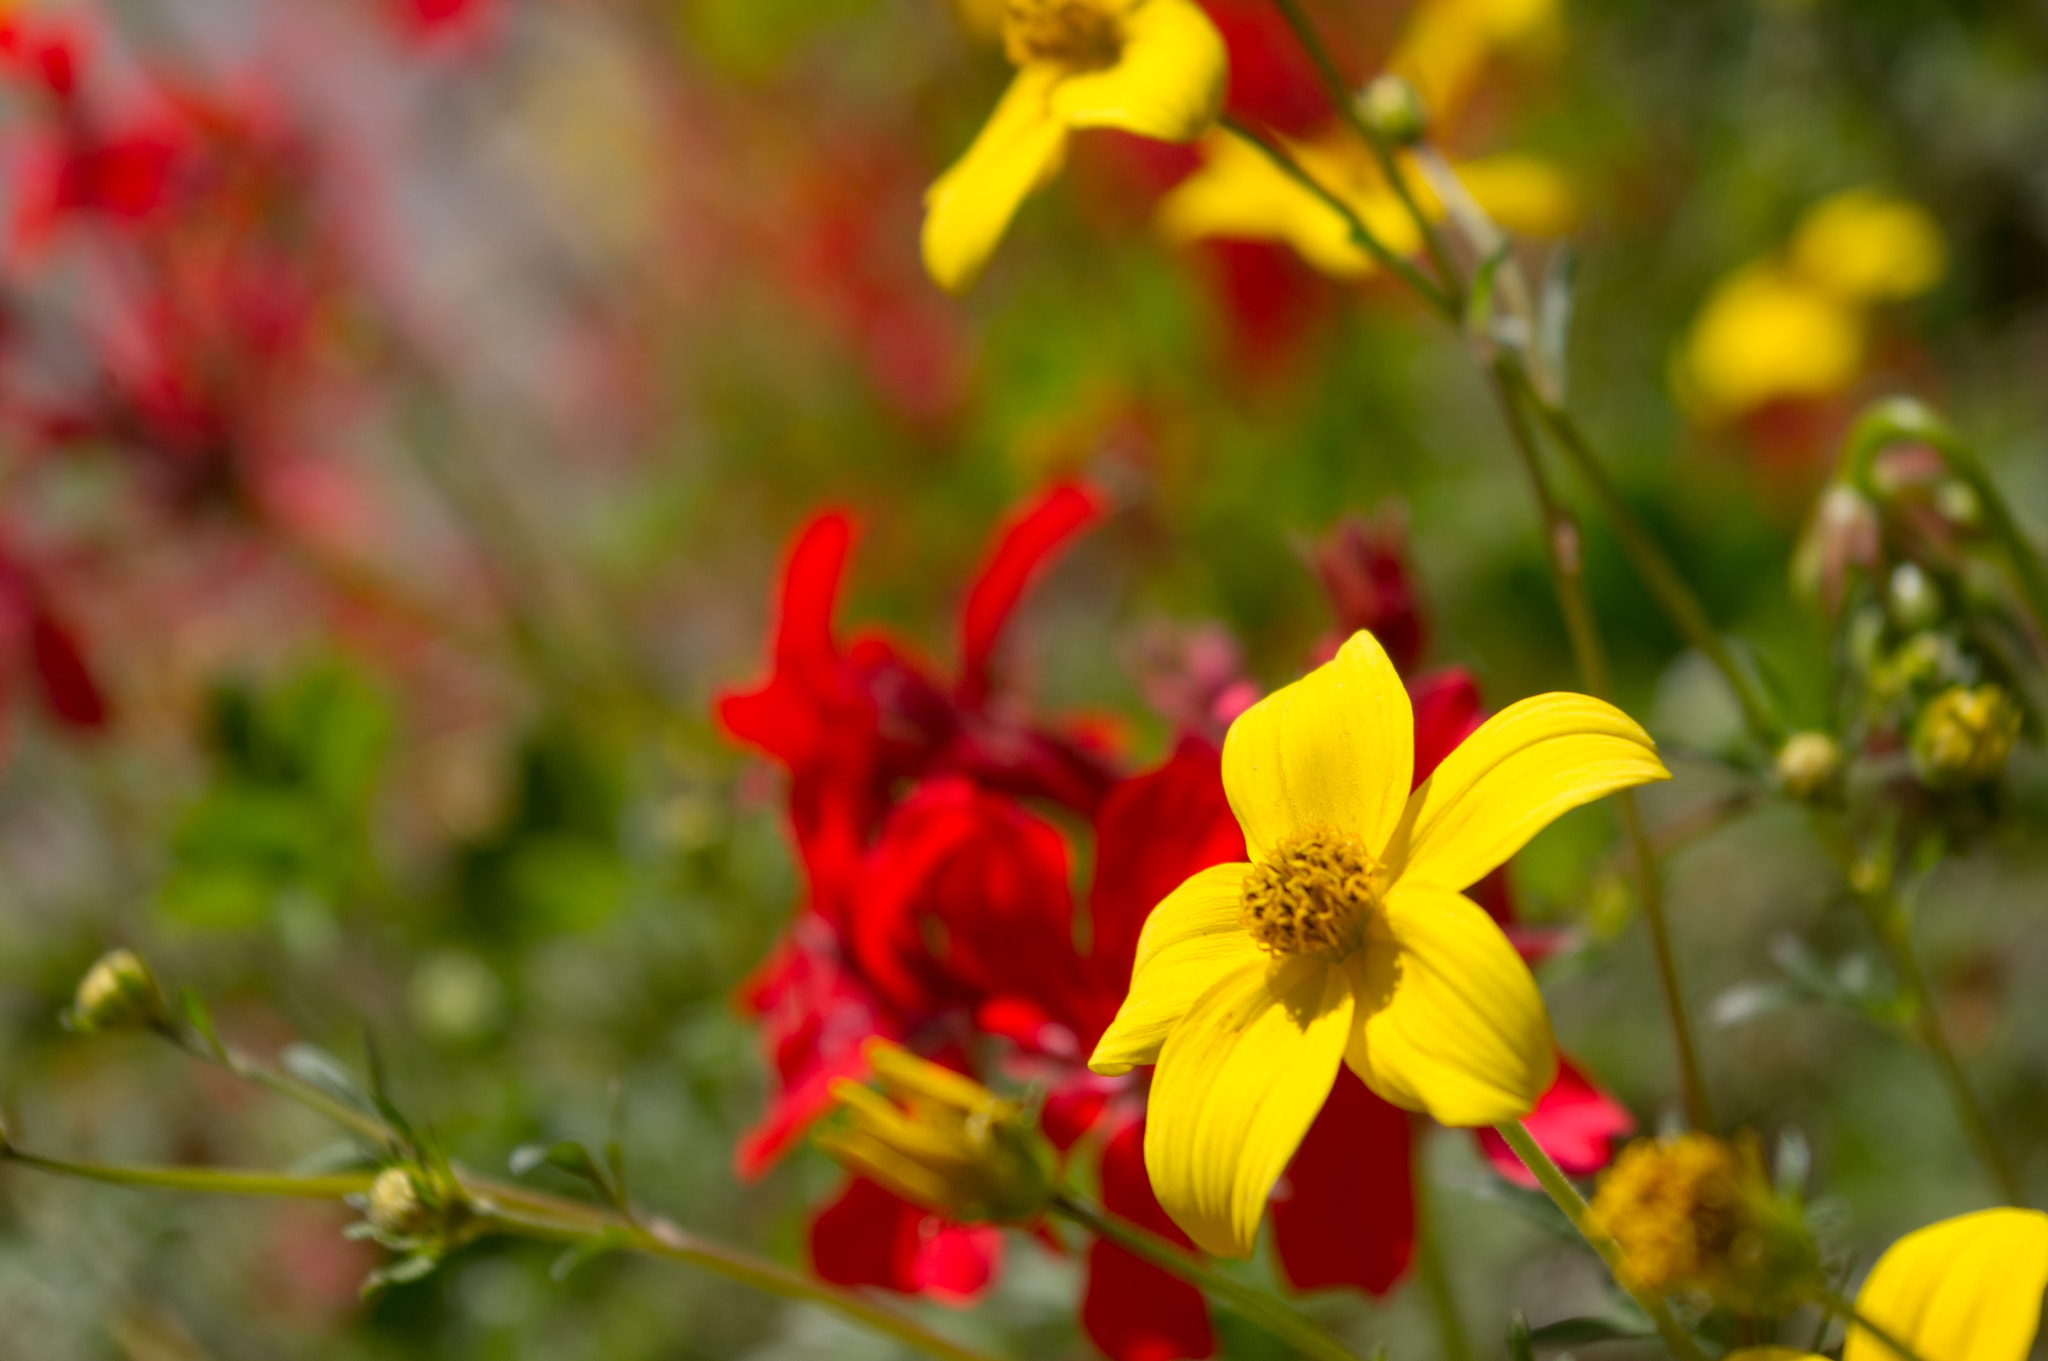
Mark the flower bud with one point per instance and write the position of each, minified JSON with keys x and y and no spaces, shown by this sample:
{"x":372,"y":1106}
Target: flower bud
{"x":1965,"y":736}
{"x":1697,"y":1213}
{"x":117,"y":993}
{"x":1808,"y":765}
{"x":1392,"y":108}
{"x":941,"y":1140}
{"x":395,"y":1208}
{"x":1913,"y":599}
{"x":1844,"y":536}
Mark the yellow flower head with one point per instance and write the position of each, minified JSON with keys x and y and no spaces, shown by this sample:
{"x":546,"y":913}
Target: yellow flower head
{"x":1446,"y":44}
{"x":941,"y":1140}
{"x":1348,"y":938}
{"x":1153,"y":67}
{"x":1966,"y":1289}
{"x":1239,"y":193}
{"x":1965,"y":736}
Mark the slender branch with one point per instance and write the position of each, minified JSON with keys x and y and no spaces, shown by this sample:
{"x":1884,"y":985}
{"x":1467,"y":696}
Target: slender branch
{"x":1561,"y":549}
{"x":1269,"y":1313}
{"x":1673,"y":595}
{"x":1431,"y":1271}
{"x":1344,"y":101}
{"x":1848,"y":1313}
{"x":1361,"y":234}
{"x":521,"y":1212}
{"x":1567,"y":1198}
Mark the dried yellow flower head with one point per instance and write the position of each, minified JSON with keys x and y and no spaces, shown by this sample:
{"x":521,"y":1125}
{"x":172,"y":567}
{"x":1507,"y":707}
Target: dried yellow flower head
{"x":1081,"y":34}
{"x":1697,"y":1213}
{"x":941,"y":1140}
{"x":1965,"y":736}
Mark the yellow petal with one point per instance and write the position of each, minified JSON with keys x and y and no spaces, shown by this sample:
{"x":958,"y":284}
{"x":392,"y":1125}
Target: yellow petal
{"x":1239,"y":1082}
{"x":1526,"y":766}
{"x":1772,"y":1354}
{"x":968,"y":207}
{"x":1194,"y":937}
{"x":1966,"y":1289}
{"x":1526,"y":194}
{"x":1869,"y":247}
{"x":1767,"y":334}
{"x":1449,"y":1021}
{"x":1446,"y":43}
{"x":1334,"y":750}
{"x":1167,"y":83}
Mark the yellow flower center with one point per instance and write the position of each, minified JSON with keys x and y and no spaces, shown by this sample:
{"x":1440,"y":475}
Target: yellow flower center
{"x":1082,"y":34}
{"x":1313,"y":896}
{"x":1676,"y":1208}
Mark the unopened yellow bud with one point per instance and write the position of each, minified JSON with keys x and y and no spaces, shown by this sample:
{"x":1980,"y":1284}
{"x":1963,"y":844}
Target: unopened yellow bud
{"x":1965,"y":736}
{"x":1697,"y":1213}
{"x":395,"y":1207}
{"x":117,"y":993}
{"x":1808,"y":765}
{"x":1393,"y":109}
{"x":941,"y":1140}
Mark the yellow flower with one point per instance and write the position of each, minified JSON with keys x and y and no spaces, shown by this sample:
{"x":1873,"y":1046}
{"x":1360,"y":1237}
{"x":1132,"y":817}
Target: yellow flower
{"x":1966,"y":1289}
{"x":1797,"y":326}
{"x":1239,"y":193}
{"x":1347,"y":938}
{"x":1153,"y":67}
{"x":944,"y":1141}
{"x":1447,"y":43}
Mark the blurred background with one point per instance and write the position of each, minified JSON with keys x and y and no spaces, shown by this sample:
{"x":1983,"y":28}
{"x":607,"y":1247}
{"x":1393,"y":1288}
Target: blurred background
{"x":405,"y":407}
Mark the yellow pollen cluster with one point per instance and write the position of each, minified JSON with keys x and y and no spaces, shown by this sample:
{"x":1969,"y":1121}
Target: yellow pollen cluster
{"x":1675,"y":1207}
{"x":1313,"y":896}
{"x":1082,"y":34}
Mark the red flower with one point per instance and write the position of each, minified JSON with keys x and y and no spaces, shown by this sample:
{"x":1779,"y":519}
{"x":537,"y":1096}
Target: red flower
{"x":871,"y":1236}
{"x":1366,"y":574}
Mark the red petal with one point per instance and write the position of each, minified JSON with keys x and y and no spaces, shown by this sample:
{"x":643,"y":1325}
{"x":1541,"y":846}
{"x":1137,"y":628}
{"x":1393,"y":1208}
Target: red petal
{"x":1448,"y":710}
{"x":1153,"y":831}
{"x":1345,"y":1214}
{"x":67,"y":683}
{"x":1576,"y":1123}
{"x":871,"y":1236}
{"x":1026,"y":543}
{"x":1132,"y":1310}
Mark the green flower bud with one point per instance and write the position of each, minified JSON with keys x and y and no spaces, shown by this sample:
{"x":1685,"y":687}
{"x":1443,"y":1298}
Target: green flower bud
{"x":1392,"y":108}
{"x":117,"y":993}
{"x":395,"y":1208}
{"x":1808,"y":765}
{"x":1913,"y":599}
{"x":1965,"y":736}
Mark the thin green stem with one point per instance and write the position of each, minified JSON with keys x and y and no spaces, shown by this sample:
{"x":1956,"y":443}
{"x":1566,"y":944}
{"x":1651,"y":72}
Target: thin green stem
{"x":1344,"y":101}
{"x":1561,"y":553}
{"x":1435,"y":1277}
{"x":1847,"y":1312}
{"x":1284,"y":1323}
{"x":1894,"y":932}
{"x":1673,"y":595}
{"x":520,"y":1212}
{"x":1387,"y":258}
{"x":1567,"y":1198}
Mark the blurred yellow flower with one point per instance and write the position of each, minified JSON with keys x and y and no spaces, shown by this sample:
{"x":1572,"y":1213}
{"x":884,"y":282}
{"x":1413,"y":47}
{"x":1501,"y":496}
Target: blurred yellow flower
{"x":1152,"y":67}
{"x":1240,"y":193}
{"x":1797,"y":326}
{"x":1447,"y":43}
{"x":1347,"y":939}
{"x":1966,"y":1289}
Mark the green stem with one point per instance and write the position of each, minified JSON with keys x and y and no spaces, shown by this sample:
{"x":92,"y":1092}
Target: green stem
{"x":1567,"y":1198}
{"x":1344,"y":100}
{"x":1435,"y":1277}
{"x":1847,"y":1312}
{"x":1889,"y":923}
{"x":1673,"y":595}
{"x":518,"y":1211}
{"x":1562,"y":554}
{"x":1284,"y":1323}
{"x":1361,"y":234}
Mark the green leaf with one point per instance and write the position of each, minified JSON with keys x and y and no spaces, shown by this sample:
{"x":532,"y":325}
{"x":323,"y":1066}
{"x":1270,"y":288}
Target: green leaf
{"x":317,"y":1068}
{"x":611,"y":1240}
{"x":1578,"y":1332}
{"x":193,"y":1006}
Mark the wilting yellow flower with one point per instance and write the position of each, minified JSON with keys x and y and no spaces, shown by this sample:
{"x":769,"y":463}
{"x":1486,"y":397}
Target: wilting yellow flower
{"x":1347,"y":938}
{"x":940,"y":1139}
{"x":1966,"y":1289}
{"x":1446,"y":44}
{"x":1153,"y":67}
{"x":1240,"y":193}
{"x":1797,"y":326}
